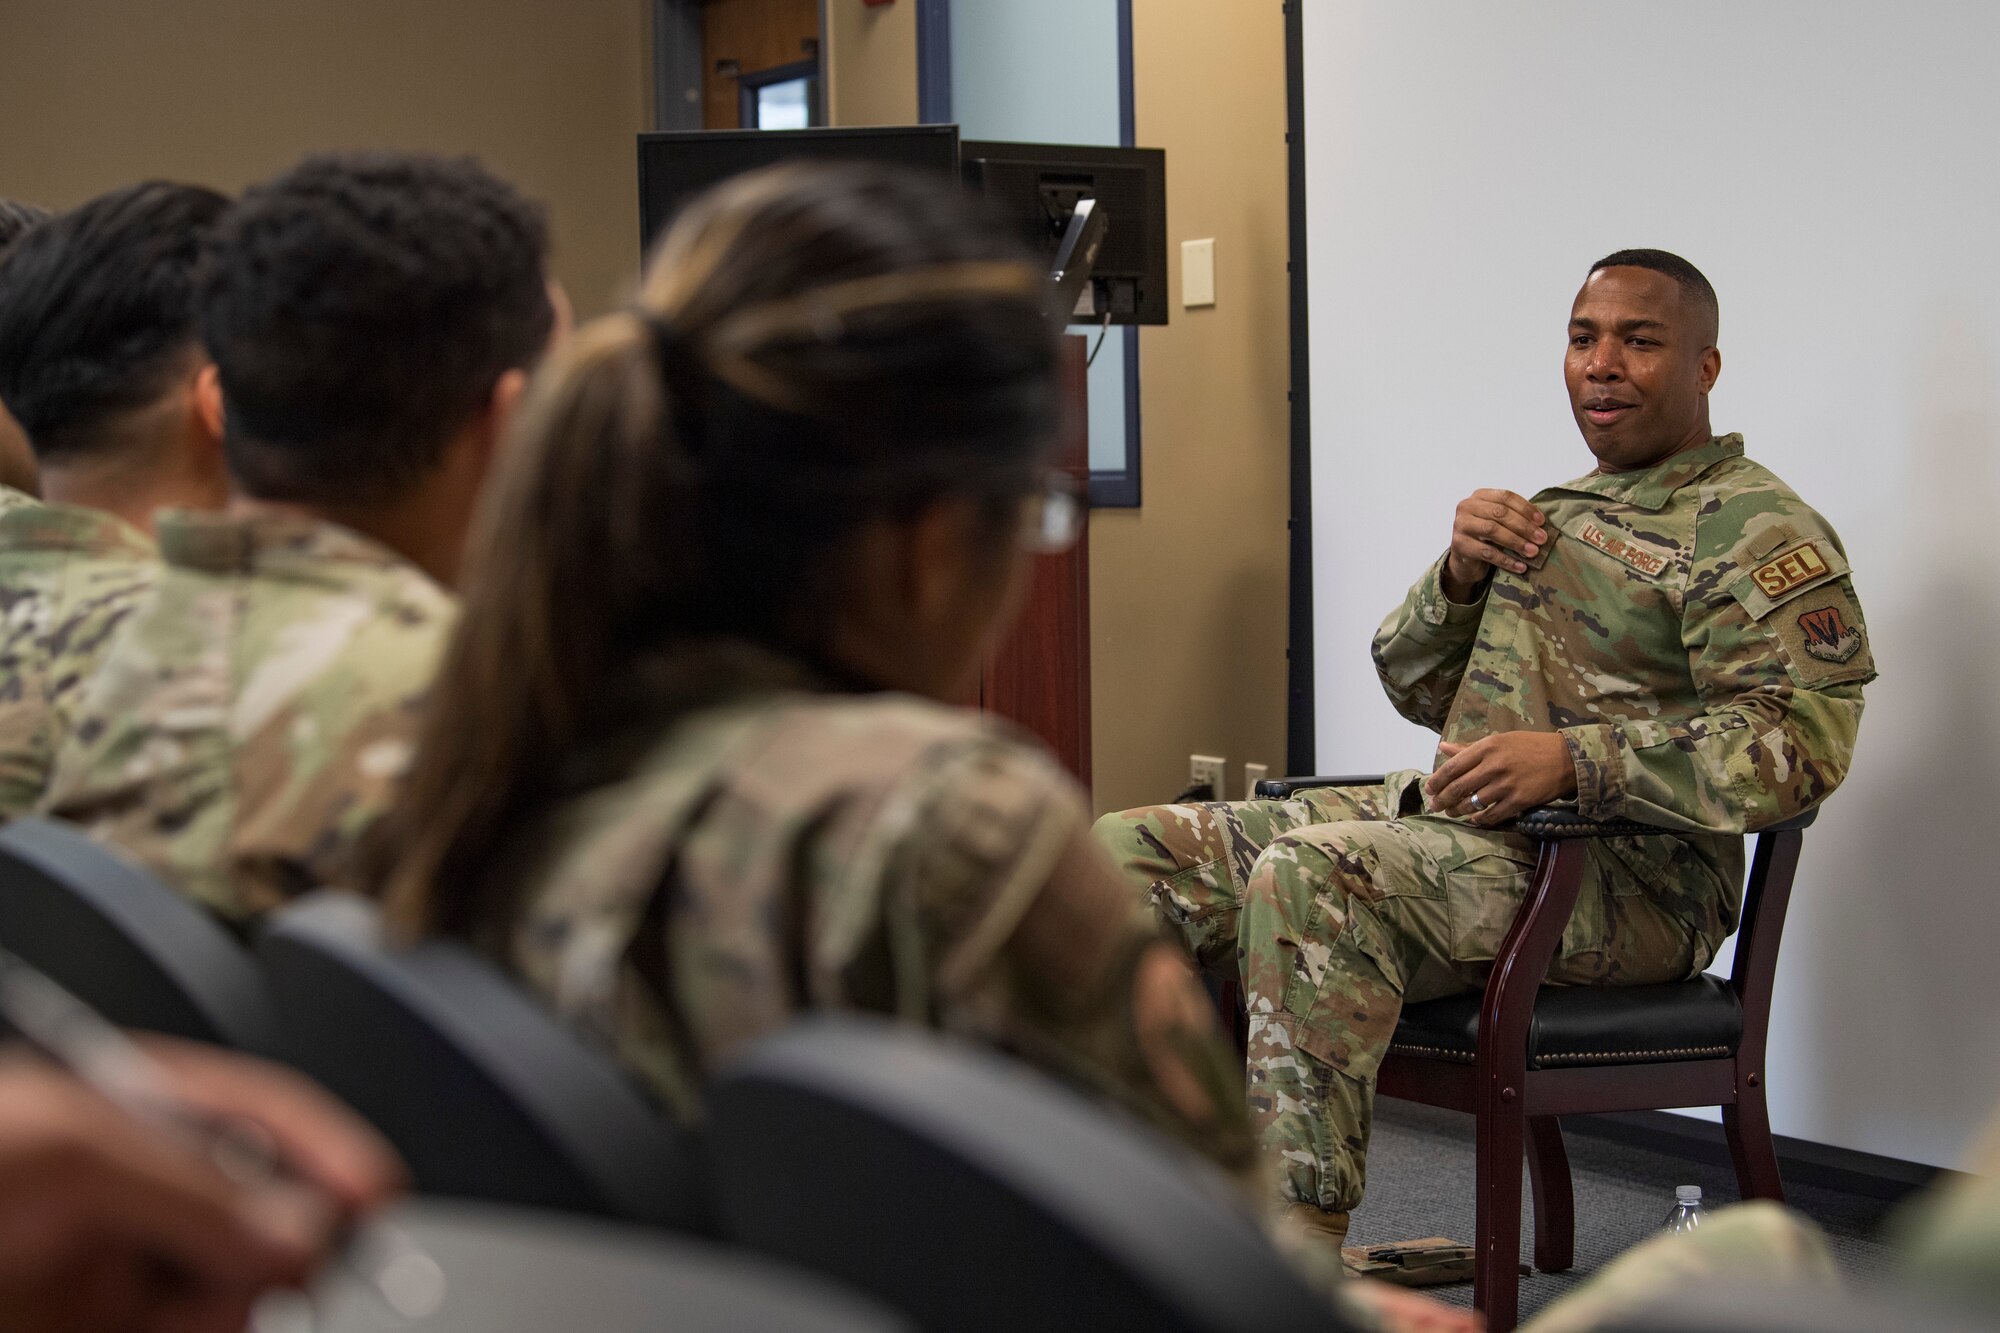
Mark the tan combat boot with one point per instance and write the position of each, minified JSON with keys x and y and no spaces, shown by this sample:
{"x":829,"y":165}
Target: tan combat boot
{"x":1310,"y":1227}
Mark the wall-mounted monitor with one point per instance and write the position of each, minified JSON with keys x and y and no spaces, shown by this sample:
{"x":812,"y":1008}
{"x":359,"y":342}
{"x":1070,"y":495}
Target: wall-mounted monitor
{"x":1040,"y":185}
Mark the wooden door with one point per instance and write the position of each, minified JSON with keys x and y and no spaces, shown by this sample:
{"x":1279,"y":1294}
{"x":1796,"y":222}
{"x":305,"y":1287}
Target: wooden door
{"x":1039,"y":676}
{"x":743,"y":37}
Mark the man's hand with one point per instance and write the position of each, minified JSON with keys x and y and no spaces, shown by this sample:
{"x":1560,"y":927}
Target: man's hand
{"x":1509,"y":773}
{"x":109,"y":1222}
{"x":1491,"y":528}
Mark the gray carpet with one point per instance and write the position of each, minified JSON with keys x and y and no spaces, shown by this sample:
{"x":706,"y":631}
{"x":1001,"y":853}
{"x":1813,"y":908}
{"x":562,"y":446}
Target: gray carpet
{"x":1420,"y":1184}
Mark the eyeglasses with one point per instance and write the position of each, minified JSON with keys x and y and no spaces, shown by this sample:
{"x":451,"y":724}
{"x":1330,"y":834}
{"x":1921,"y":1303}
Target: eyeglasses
{"x":1052,"y":519}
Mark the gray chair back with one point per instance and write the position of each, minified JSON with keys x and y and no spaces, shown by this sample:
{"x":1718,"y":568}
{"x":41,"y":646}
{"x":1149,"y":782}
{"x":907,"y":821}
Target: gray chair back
{"x":486,"y":1094}
{"x":124,"y":942}
{"x":973,"y":1193}
{"x":512,"y":1270}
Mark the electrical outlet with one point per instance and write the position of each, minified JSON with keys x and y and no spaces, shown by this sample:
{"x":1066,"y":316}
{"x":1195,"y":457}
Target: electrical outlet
{"x":1210,"y":769}
{"x":1252,"y":775}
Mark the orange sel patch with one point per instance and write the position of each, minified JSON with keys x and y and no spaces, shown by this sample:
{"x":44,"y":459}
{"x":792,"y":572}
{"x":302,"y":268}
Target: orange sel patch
{"x":1624,"y":551}
{"x":1795,"y":568}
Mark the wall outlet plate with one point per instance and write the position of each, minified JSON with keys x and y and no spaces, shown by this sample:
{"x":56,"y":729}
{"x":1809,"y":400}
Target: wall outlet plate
{"x":1252,"y":775}
{"x":1198,"y":273}
{"x":1212,"y":769}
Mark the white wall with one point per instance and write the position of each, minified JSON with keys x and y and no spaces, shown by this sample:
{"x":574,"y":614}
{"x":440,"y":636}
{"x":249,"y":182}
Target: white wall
{"x":1835,"y":170}
{"x":1046,"y":71}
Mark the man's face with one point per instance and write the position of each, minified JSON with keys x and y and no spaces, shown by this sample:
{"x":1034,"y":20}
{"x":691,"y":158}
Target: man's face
{"x":1641,"y":361}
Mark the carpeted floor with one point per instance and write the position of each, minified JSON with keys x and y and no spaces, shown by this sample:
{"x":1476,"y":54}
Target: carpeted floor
{"x":1420,"y":1184}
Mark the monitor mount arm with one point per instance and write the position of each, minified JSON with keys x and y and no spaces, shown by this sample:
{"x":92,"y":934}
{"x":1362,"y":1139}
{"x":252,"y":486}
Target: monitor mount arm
{"x":1075,"y":257}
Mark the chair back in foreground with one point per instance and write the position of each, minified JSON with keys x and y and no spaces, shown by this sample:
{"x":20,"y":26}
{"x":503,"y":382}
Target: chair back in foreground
{"x":1735,"y":1308}
{"x":973,"y":1193}
{"x":124,"y":942}
{"x":515,"y":1270}
{"x":483,"y":1091}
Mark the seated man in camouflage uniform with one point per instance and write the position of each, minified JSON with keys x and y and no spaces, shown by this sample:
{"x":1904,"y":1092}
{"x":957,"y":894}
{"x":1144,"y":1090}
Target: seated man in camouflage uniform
{"x":370,"y":319}
{"x":1672,"y":638}
{"x":101,"y":364}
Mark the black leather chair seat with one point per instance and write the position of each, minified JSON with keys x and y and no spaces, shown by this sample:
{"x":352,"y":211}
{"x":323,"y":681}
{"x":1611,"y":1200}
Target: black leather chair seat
{"x":1590,"y":1025}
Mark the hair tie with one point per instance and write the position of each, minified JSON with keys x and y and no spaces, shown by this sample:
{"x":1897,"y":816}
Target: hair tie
{"x":686,"y":378}
{"x":679,"y":363}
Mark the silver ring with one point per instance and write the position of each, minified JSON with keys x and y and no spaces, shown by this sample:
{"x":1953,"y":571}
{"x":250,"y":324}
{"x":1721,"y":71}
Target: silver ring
{"x":1476,"y":801}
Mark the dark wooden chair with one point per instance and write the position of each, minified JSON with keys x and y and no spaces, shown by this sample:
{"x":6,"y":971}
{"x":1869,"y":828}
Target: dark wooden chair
{"x":1522,"y":1054}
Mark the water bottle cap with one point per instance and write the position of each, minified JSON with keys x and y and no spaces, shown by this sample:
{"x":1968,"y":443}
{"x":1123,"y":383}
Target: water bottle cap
{"x":1688,"y":1193}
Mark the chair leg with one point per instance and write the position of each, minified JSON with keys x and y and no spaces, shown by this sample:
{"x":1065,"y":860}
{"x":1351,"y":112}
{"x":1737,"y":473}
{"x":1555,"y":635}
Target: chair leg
{"x":1496,"y":1274}
{"x":1747,"y":1126}
{"x":1555,"y":1203}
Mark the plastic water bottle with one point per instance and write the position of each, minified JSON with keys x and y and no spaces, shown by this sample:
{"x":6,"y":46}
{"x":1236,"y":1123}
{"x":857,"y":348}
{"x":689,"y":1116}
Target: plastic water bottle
{"x":1688,"y":1212}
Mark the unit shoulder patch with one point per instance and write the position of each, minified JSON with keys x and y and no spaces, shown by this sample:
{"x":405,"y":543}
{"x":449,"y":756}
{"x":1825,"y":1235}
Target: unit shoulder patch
{"x":1622,"y":549}
{"x":1828,"y":636}
{"x":1824,"y":639}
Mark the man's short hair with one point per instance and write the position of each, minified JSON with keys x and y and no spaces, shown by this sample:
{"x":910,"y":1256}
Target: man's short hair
{"x":15,"y":220}
{"x":359,"y":309}
{"x":98,"y":313}
{"x":1693,"y":283}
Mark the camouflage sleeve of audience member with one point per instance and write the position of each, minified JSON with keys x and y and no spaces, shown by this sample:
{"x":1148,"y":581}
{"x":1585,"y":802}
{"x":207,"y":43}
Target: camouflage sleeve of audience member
{"x":1422,"y":648}
{"x":1034,"y":942}
{"x":1780,"y":653}
{"x":322,"y":760}
{"x":24,"y":730}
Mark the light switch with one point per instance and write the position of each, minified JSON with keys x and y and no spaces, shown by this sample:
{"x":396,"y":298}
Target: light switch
{"x":1198,"y":273}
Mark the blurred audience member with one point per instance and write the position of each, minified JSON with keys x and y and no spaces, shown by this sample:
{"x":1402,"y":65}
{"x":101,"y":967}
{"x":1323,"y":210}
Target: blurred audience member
{"x":692,"y":766}
{"x":101,"y":364}
{"x":17,"y":464}
{"x":371,"y":318}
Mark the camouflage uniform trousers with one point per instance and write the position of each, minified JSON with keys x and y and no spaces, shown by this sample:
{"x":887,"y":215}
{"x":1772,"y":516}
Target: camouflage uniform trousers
{"x":1340,"y":905}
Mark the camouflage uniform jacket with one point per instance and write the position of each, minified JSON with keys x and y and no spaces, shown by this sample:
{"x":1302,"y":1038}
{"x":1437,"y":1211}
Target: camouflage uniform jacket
{"x":68,"y":577}
{"x":14,"y":499}
{"x":253,"y":716}
{"x":780,"y":848}
{"x":1692,"y":632}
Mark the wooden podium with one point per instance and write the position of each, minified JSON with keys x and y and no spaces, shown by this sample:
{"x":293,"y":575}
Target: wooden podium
{"x":1039,"y":675}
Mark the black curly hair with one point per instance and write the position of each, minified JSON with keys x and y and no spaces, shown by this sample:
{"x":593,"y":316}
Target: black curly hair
{"x":97,"y":311}
{"x":359,"y":309}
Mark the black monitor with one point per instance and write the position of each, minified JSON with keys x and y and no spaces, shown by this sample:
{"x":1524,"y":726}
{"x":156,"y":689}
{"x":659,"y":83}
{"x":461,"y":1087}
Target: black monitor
{"x":673,"y":168}
{"x":1040,"y":185}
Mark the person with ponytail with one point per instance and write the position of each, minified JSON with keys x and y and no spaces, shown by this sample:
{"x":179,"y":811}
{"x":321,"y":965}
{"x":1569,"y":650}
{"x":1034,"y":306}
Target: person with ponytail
{"x":690,"y":766}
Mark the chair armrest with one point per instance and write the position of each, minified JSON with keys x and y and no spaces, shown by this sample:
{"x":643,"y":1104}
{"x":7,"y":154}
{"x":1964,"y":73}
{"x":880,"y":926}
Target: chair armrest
{"x":1283,"y":789}
{"x":1554,"y":823}
{"x":1551,"y":823}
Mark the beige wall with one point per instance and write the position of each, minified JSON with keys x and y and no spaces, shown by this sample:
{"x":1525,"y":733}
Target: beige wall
{"x":97,"y":93}
{"x":871,"y":62}
{"x":1188,"y":592}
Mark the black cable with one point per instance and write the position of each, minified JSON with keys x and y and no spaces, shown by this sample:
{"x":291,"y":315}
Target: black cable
{"x":1103,"y":329}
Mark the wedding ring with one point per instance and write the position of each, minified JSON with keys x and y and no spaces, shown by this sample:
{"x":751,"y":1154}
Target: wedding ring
{"x":1476,"y":801}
